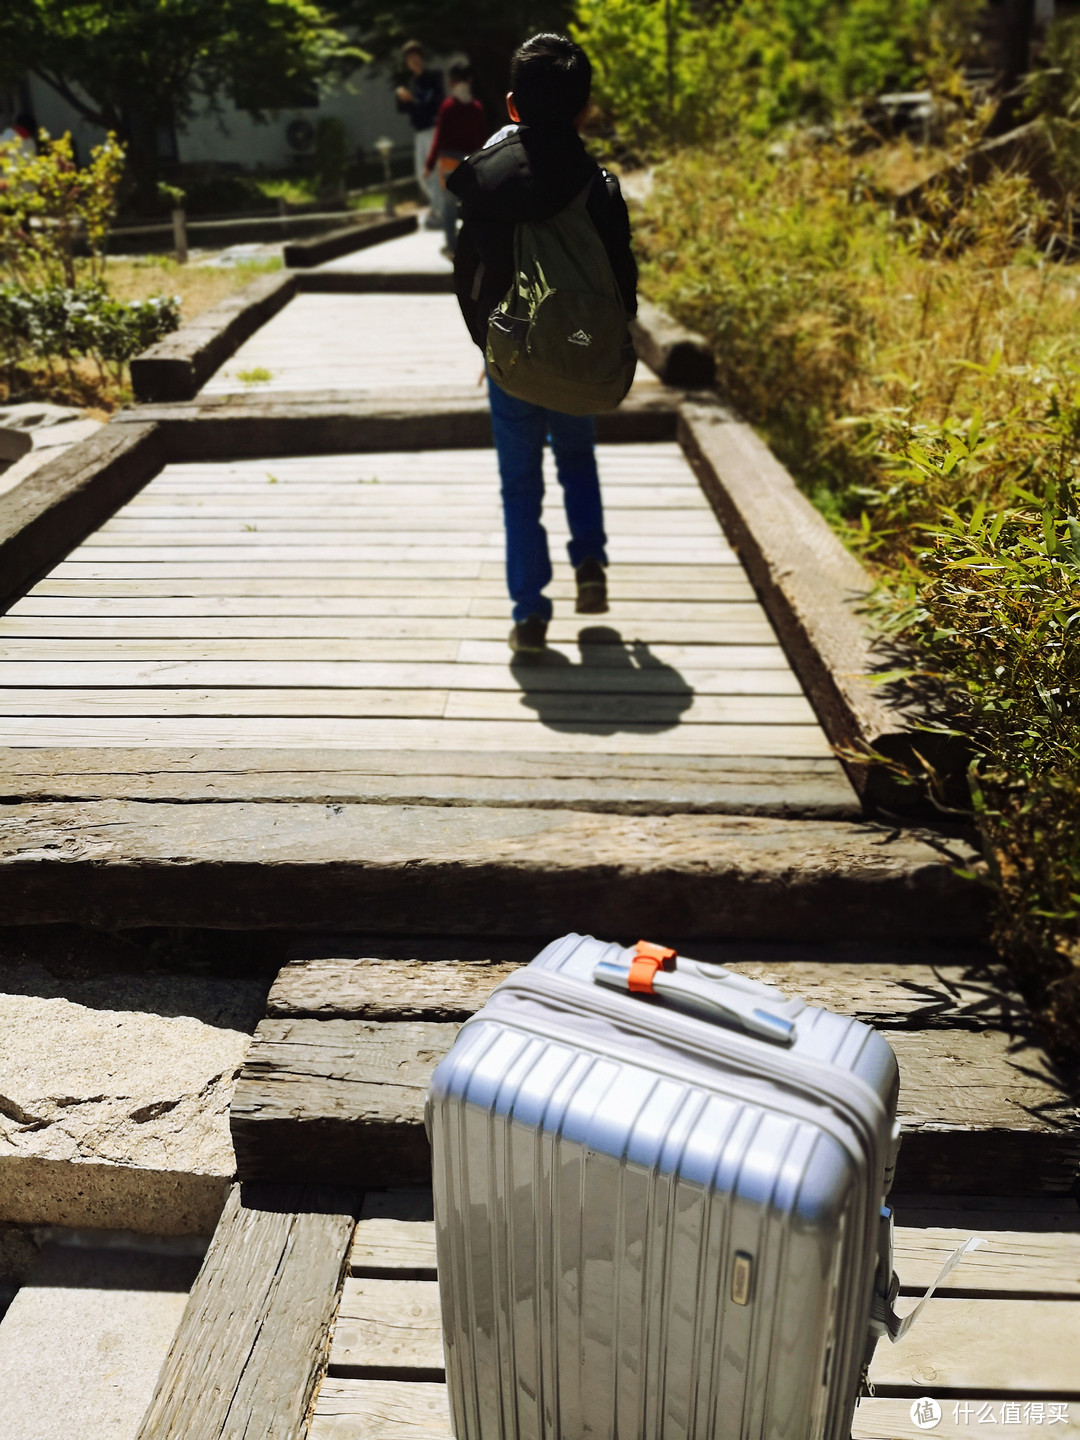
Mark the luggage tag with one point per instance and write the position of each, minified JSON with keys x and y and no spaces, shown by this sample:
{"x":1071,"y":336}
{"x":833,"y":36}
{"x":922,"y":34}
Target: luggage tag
{"x":883,"y":1317}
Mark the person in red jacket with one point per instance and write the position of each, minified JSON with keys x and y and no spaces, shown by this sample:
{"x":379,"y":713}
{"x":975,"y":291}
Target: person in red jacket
{"x":460,"y":129}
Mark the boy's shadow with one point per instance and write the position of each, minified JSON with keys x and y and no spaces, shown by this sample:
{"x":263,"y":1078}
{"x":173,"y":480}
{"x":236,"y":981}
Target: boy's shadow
{"x":618,"y":685}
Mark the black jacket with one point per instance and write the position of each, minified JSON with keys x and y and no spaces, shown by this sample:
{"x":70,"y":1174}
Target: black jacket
{"x":428,"y":94}
{"x":530,"y":174}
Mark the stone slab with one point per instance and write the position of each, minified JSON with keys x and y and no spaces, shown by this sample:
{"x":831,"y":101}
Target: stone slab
{"x":114,"y":1097}
{"x":84,"y":1339}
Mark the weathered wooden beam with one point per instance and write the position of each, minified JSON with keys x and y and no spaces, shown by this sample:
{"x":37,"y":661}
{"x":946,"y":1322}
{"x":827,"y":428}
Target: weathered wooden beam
{"x":177,"y":367}
{"x":376,"y":282}
{"x":343,"y":1100}
{"x":812,"y":589}
{"x":480,"y":870}
{"x":252,"y":1341}
{"x":235,"y":426}
{"x":301,"y":254}
{"x":910,"y":990}
{"x":337,"y":1097}
{"x":680,"y":357}
{"x":626,"y":785}
{"x":57,"y":506}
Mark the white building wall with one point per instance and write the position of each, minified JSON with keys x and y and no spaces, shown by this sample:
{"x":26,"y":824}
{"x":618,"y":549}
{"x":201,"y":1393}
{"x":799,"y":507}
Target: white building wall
{"x":365,"y":105}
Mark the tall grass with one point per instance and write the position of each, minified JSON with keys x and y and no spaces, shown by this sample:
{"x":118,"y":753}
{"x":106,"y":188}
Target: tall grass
{"x":920,"y":380}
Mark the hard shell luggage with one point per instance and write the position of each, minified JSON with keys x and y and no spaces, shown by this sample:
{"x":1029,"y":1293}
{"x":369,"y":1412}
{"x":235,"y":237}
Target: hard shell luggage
{"x":660,"y":1204}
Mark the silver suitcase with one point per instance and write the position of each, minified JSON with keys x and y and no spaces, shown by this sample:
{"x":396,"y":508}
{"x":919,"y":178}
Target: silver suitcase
{"x":660,"y":1204}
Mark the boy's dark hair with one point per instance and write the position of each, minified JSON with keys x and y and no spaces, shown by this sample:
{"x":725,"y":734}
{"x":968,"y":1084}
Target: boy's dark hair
{"x":459,"y":71}
{"x":551,"y":78}
{"x":413,"y":47}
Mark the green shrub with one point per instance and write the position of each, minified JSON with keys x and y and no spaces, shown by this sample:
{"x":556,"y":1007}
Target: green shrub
{"x":54,"y":216}
{"x":84,"y":321}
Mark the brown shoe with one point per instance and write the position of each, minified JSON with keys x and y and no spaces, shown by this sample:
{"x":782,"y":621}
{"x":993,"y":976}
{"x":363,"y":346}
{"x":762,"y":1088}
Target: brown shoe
{"x":591,"y":588}
{"x":529,"y":637}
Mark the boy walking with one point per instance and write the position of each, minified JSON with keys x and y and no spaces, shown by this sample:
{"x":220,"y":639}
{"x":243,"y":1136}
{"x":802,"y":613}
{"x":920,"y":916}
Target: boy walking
{"x":530,"y":171}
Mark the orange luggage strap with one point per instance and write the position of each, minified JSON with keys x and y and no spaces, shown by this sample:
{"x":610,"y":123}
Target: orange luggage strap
{"x":648,"y":959}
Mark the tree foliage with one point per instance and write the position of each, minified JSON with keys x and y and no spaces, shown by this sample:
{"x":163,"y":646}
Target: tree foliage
{"x":132,"y":67}
{"x":488,"y":31}
{"x":682,"y":69}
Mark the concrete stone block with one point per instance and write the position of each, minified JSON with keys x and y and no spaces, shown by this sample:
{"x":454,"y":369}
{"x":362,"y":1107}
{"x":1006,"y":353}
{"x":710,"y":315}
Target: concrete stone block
{"x":114,"y":1097}
{"x":84,"y":1339}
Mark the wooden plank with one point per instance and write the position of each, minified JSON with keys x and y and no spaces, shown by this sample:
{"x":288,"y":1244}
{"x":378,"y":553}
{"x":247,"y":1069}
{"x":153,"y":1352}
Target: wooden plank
{"x":310,"y":423}
{"x":686,"y":534}
{"x":686,"y":658}
{"x":382,"y":733}
{"x":470,"y":549}
{"x":357,"y":599}
{"x":615,"y":784}
{"x":605,"y":714}
{"x":388,"y":1330}
{"x":1043,"y":1265}
{"x":754,"y":630}
{"x":984,"y":1347}
{"x":123,"y":597}
{"x":73,"y":627}
{"x":972,"y":1120}
{"x":247,"y":1355}
{"x":875,"y":1418}
{"x":403,"y":1249}
{"x":321,"y":675}
{"x":1031,"y":1214}
{"x":644,"y":579}
{"x":381,"y":1410}
{"x":1033,"y":1265}
{"x":395,"y":1235}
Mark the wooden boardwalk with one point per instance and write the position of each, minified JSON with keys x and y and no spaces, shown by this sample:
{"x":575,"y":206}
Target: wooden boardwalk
{"x":276,"y":692}
{"x":358,"y":601}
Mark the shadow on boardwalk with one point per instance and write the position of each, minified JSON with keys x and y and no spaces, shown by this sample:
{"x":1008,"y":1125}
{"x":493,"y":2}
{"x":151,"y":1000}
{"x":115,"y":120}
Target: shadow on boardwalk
{"x":618,"y":685}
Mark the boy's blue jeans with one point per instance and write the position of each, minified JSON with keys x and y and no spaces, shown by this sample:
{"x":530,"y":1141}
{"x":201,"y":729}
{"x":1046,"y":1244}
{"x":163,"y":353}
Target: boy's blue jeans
{"x":520,"y":430}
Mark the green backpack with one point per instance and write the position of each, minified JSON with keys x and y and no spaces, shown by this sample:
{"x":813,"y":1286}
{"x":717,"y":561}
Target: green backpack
{"x":560,"y":338}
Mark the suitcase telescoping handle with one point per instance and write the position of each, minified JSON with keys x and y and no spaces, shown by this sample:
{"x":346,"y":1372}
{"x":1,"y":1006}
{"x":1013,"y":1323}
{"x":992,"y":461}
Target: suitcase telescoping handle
{"x":652,"y":971}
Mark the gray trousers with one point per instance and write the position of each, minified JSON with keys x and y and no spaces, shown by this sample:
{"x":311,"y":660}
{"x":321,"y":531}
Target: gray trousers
{"x":431,"y":189}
